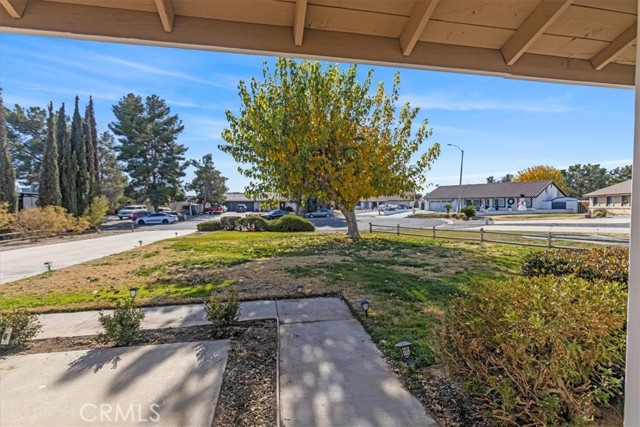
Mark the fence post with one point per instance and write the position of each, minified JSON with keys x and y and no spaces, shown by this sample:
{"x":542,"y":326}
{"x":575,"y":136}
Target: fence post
{"x":434,"y":231}
{"x":481,"y":235}
{"x":370,"y":228}
{"x":549,"y":239}
{"x":398,"y":229}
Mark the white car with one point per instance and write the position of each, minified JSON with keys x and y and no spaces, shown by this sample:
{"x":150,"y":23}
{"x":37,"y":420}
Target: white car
{"x":127,"y":211}
{"x":157,"y":218}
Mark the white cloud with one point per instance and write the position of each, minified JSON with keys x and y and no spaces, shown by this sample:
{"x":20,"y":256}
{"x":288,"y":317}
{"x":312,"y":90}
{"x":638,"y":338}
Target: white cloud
{"x":456,"y":101}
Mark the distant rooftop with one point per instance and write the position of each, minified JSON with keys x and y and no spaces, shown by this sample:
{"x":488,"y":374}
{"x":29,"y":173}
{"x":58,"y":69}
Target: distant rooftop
{"x":488,"y":191}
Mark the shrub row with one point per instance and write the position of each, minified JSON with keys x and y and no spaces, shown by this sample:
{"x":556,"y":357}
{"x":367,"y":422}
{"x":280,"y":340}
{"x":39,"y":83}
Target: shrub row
{"x":594,"y":264}
{"x":256,"y":223}
{"x":538,"y":351}
{"x":439,"y":215}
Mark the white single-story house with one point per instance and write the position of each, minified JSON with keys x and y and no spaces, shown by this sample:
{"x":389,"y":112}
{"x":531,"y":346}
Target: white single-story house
{"x":616,"y":199}
{"x":508,"y":196}
{"x":234,"y":199}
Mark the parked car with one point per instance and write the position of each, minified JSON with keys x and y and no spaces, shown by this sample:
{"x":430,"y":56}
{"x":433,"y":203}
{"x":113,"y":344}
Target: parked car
{"x":320,"y":213}
{"x":157,"y":218}
{"x":278,"y":213}
{"x":139,"y":213}
{"x":164,"y":209}
{"x":241,"y":208}
{"x":127,"y":211}
{"x":215,"y":209}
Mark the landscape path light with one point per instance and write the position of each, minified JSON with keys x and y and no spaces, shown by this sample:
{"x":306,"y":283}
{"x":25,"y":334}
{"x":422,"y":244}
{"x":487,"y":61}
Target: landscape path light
{"x":48,"y":264}
{"x":405,"y":350}
{"x":133,"y":291}
{"x":299,"y":288}
{"x":364,"y":303}
{"x":140,"y":242}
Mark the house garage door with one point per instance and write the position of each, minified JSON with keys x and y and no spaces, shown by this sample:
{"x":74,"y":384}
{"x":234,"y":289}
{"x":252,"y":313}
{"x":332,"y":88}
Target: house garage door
{"x":437,"y":205}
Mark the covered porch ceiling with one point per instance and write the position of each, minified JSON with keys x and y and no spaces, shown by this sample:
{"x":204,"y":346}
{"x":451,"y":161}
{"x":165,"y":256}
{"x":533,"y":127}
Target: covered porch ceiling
{"x":577,"y":41}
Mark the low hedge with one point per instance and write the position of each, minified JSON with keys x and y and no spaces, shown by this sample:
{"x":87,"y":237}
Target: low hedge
{"x":230,"y":223}
{"x":291,"y":223}
{"x":599,"y":263}
{"x":255,"y":222}
{"x":540,"y":351}
{"x":209,"y":226}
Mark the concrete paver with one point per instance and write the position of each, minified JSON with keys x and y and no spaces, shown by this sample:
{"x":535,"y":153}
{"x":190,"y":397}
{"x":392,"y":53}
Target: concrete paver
{"x":171,"y":316}
{"x":312,"y":310}
{"x":332,"y":375}
{"x":164,"y":385}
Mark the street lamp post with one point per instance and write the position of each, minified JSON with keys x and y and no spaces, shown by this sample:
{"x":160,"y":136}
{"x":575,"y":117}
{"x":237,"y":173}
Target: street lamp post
{"x":461,"y":164}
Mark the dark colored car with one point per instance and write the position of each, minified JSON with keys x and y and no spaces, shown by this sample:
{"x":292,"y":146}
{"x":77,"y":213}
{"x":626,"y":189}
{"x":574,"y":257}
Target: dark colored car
{"x":278,"y":213}
{"x":241,"y":208}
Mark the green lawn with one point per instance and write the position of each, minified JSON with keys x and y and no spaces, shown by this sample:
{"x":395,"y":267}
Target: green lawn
{"x":409,"y":280}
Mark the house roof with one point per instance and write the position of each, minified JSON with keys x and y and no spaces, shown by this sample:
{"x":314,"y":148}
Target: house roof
{"x":238,"y":197}
{"x":623,"y":187}
{"x":588,"y":41}
{"x":487,"y":191}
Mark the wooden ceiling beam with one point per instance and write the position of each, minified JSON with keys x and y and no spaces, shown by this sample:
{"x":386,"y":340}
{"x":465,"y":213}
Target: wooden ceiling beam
{"x":418,"y":19}
{"x":15,"y":8}
{"x":532,"y":28}
{"x":55,"y":19}
{"x":610,"y":53}
{"x":167,"y":15}
{"x":299,"y":17}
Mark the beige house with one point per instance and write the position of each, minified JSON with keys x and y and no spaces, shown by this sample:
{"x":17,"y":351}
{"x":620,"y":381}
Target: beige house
{"x":616,"y":199}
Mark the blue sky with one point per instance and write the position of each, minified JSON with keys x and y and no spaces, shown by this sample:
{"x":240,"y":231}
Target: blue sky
{"x":503,"y":125}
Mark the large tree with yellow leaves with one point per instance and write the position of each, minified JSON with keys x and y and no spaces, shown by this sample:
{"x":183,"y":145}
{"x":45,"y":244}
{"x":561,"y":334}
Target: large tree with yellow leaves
{"x":314,"y":131}
{"x":542,"y":173}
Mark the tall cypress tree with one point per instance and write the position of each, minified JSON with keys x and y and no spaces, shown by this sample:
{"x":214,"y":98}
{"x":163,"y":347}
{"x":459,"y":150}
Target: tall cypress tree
{"x":49,"y":190}
{"x":67,"y":164}
{"x":90,"y":120}
{"x":91,"y":166}
{"x":7,"y":172}
{"x":79,"y":153}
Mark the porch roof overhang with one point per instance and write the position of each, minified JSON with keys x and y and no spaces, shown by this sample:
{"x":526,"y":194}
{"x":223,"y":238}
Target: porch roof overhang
{"x":576,"y":41}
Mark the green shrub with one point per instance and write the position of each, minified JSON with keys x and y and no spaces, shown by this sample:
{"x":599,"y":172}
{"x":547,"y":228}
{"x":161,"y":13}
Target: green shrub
{"x":599,"y":213}
{"x":600,"y":263}
{"x":291,"y":223}
{"x":468,"y":211}
{"x":123,"y":326}
{"x":255,"y":222}
{"x":209,"y":226}
{"x":222,"y":314}
{"x":47,"y":221}
{"x":538,"y":351}
{"x":448,"y":207}
{"x":24,"y":326}
{"x":96,"y":211}
{"x":229,"y":223}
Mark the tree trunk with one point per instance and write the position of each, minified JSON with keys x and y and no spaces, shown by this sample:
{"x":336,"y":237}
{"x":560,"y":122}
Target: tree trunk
{"x":352,"y":224}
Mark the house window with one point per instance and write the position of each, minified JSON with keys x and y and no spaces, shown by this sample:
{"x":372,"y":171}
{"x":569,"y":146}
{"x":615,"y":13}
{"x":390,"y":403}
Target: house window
{"x":596,"y":202}
{"x":625,"y":200}
{"x":529,"y":202}
{"x":609,"y":201}
{"x":499,"y":202}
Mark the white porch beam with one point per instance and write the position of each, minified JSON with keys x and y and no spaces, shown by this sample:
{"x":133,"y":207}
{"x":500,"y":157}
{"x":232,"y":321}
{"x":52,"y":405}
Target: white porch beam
{"x":532,"y":28}
{"x":609,"y":53}
{"x":167,"y":15}
{"x":632,"y":376}
{"x":298,"y":21}
{"x":15,"y":8}
{"x":420,"y":15}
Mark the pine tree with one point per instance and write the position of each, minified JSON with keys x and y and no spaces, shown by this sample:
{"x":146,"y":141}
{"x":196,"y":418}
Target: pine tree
{"x":148,"y":148}
{"x":91,"y":140}
{"x":67,"y":164}
{"x":49,"y":190}
{"x":79,"y":153}
{"x":7,"y":172}
{"x":112,"y":180}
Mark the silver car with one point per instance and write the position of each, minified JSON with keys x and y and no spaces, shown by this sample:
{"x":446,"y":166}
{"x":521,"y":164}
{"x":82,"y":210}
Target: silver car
{"x":157,"y":218}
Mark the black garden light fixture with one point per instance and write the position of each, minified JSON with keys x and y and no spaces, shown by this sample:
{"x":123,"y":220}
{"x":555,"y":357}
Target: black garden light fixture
{"x":140,"y":242}
{"x":299,"y":288}
{"x":405,"y":350}
{"x":364,"y":303}
{"x":48,"y":264}
{"x":133,"y":291}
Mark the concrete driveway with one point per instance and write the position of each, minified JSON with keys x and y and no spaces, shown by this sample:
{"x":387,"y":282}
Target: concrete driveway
{"x":17,"y":264}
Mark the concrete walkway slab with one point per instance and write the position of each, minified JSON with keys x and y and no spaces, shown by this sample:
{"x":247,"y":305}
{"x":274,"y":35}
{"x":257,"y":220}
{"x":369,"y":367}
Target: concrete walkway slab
{"x":332,"y":375}
{"x":164,"y":385}
{"x":84,"y":323}
{"x":312,"y":310}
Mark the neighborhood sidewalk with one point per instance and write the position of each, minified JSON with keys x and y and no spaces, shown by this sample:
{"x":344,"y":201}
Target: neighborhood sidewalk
{"x":331,"y":374}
